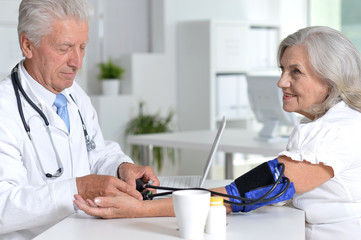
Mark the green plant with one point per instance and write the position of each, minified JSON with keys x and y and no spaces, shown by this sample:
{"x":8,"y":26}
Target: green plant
{"x":143,"y":124}
{"x":109,"y":70}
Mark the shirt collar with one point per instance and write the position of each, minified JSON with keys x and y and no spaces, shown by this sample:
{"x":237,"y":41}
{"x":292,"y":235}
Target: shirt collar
{"x":336,"y":107}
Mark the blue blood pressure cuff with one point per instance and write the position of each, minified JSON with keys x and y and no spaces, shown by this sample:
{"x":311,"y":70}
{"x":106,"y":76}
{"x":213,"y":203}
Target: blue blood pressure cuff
{"x":256,"y":183}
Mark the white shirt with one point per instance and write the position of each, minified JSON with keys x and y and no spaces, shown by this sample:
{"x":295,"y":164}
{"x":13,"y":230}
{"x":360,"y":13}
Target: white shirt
{"x":333,"y":210}
{"x":30,"y":202}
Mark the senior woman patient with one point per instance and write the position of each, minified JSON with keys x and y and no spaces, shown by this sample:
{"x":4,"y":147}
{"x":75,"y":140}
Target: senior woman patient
{"x":321,"y":80}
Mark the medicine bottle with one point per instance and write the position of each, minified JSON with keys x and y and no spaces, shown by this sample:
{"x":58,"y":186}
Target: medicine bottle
{"x":216,"y":221}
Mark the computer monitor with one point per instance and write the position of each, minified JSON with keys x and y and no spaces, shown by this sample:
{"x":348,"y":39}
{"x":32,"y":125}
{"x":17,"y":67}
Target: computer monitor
{"x":265,"y":99}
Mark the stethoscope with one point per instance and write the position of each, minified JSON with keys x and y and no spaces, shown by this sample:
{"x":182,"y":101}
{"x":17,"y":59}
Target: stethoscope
{"x":90,"y":144}
{"x":148,"y":195}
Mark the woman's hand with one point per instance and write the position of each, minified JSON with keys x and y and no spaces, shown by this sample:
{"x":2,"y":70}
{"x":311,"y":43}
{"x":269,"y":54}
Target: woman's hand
{"x":120,"y":206}
{"x":125,"y":206}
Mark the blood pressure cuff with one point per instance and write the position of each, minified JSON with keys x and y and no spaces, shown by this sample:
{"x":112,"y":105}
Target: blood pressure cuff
{"x":256,"y":183}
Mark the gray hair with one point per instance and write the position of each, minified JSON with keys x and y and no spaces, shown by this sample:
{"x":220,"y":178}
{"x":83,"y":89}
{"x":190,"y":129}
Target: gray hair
{"x":334,"y":59}
{"x":37,"y":16}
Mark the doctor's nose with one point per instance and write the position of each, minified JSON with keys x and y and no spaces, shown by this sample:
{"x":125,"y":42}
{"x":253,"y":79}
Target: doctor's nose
{"x":75,"y":59}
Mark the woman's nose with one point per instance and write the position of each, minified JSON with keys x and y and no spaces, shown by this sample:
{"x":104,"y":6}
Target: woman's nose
{"x":284,"y":81}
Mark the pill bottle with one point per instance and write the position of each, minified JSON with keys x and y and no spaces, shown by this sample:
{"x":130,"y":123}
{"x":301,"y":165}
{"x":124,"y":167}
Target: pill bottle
{"x":216,"y":221}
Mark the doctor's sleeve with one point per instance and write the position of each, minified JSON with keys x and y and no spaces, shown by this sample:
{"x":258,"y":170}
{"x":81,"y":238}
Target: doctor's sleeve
{"x":107,"y":156}
{"x":26,"y":200}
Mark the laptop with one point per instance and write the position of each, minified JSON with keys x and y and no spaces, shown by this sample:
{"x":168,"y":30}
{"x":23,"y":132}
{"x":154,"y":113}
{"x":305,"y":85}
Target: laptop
{"x":198,"y":180}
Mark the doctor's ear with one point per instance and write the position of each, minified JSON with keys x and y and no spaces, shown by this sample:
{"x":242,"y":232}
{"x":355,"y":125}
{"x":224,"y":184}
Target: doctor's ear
{"x":26,"y":45}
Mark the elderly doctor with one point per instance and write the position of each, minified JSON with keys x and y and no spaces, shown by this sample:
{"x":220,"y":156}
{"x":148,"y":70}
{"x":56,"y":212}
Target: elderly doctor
{"x":51,"y":146}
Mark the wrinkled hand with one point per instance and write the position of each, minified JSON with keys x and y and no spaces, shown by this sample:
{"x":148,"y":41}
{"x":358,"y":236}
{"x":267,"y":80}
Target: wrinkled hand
{"x":120,"y":206}
{"x":92,"y":186}
{"x":124,"y":206}
{"x":129,"y":172}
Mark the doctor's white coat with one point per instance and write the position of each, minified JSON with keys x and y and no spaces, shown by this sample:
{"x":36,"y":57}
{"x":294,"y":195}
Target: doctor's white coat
{"x":30,"y":202}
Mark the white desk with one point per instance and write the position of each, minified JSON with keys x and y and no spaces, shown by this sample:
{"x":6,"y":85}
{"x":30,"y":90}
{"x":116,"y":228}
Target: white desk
{"x":272,"y":223}
{"x":232,"y":141}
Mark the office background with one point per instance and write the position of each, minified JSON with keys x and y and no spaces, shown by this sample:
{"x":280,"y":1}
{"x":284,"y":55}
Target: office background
{"x":143,"y":36}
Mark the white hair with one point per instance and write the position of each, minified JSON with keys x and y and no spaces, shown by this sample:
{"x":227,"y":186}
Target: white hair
{"x":335,"y":59}
{"x":37,"y":16}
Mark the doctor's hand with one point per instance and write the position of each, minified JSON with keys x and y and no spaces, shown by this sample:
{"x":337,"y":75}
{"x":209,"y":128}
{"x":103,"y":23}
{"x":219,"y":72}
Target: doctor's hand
{"x":124,"y":206}
{"x":92,"y":186}
{"x":130,"y":172}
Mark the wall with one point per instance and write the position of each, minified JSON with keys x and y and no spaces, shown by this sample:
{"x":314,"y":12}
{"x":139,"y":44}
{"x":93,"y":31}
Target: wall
{"x":173,"y":12}
{"x":118,"y":28}
{"x":149,"y":26}
{"x":122,"y":29}
{"x":10,"y":49}
{"x":290,"y":15}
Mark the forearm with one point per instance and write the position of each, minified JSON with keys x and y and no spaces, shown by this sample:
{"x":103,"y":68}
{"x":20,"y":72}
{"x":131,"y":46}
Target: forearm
{"x":158,"y":208}
{"x":125,"y":206}
{"x":164,"y":207}
{"x":224,"y":191}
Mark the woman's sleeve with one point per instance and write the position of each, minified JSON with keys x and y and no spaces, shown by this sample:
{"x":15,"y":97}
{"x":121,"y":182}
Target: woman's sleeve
{"x":320,"y":142}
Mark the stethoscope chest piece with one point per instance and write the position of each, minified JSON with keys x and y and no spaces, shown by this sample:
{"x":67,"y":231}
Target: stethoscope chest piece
{"x":90,"y":145}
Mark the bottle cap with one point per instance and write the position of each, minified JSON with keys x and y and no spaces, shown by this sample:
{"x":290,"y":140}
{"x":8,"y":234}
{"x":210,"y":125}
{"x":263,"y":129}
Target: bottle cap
{"x":216,"y":201}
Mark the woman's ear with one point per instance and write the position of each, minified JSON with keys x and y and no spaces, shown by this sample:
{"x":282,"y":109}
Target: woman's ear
{"x":26,"y":45}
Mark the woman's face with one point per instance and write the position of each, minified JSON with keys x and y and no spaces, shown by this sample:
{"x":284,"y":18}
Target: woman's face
{"x":301,"y":87}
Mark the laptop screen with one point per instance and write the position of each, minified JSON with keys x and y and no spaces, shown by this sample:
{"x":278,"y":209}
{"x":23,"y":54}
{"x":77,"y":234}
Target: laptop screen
{"x":213,"y":151}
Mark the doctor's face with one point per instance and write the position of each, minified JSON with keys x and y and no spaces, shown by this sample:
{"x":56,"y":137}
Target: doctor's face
{"x":59,"y":55}
{"x":301,"y":86}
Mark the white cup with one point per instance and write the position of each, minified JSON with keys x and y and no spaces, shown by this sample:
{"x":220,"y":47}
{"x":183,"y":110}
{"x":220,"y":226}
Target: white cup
{"x":191,"y":210}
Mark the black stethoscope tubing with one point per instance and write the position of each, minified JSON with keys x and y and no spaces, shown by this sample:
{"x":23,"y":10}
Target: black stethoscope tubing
{"x":90,"y":144}
{"x":17,"y":86}
{"x":245,"y":201}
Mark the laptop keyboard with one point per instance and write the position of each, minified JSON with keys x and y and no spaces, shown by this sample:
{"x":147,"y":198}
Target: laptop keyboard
{"x":180,"y":181}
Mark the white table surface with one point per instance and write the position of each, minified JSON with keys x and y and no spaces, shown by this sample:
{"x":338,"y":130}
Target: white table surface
{"x":265,"y":223}
{"x":232,"y":141}
{"x":270,"y":222}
